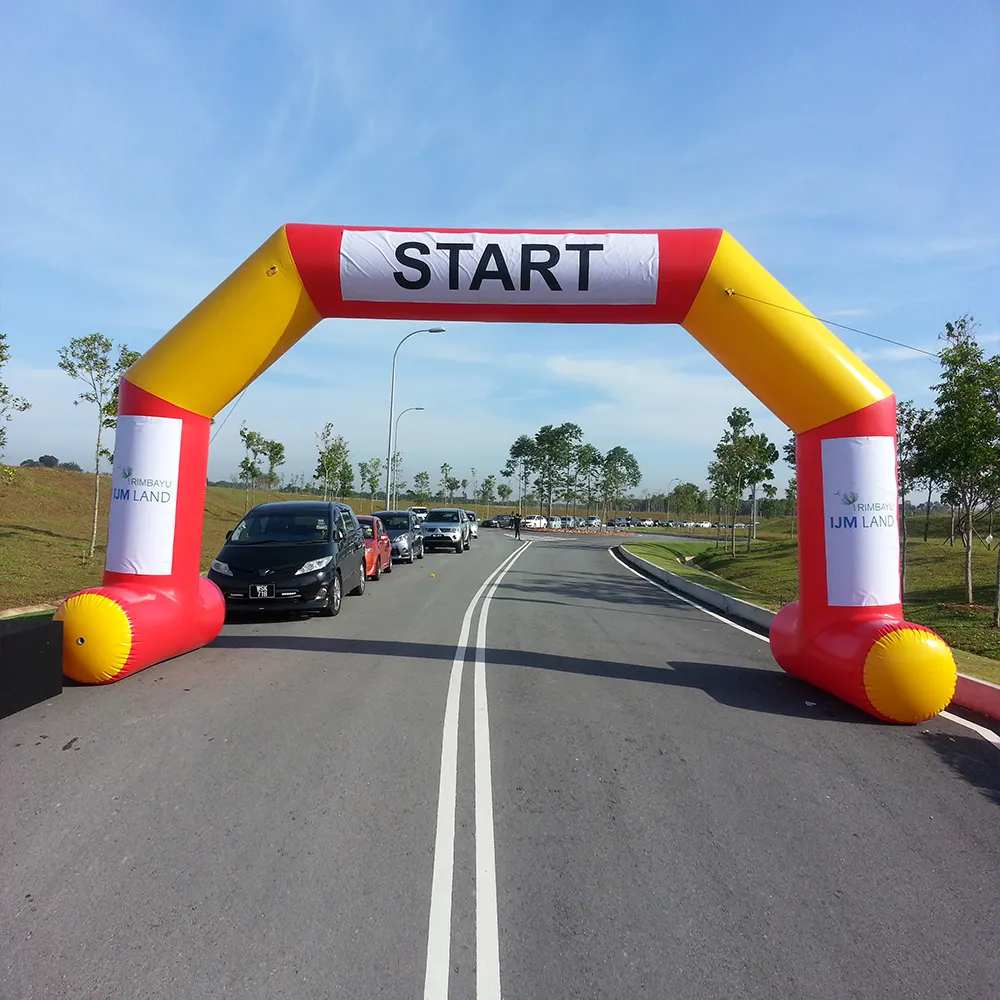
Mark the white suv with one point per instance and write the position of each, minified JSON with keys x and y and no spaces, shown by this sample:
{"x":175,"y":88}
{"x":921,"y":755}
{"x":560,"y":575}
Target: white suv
{"x":420,"y":512}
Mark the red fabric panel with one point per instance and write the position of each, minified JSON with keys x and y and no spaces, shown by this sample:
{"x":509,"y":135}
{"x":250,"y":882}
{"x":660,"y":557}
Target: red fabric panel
{"x":685,"y":257}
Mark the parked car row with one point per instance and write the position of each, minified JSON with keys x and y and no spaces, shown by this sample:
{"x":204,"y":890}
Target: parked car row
{"x":303,"y":555}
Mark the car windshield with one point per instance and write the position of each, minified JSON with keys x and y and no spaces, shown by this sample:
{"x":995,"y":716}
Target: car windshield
{"x":367,"y":528}
{"x":443,"y":516}
{"x":260,"y":527}
{"x":394,"y":521}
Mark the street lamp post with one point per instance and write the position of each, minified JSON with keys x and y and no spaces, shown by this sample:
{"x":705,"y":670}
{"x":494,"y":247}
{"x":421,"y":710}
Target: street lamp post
{"x":395,"y":485}
{"x":392,"y":403}
{"x":666,"y":498}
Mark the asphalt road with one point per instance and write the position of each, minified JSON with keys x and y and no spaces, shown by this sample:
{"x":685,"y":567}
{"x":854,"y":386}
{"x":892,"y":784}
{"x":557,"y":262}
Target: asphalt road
{"x":616,"y":796}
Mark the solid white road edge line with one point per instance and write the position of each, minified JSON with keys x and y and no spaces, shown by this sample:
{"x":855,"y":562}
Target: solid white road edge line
{"x":987,"y":734}
{"x":437,"y":971}
{"x":687,"y":600}
{"x":487,"y":915}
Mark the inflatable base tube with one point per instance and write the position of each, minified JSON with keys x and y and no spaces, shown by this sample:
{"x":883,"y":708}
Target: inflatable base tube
{"x":110,"y":632}
{"x":894,"y":670}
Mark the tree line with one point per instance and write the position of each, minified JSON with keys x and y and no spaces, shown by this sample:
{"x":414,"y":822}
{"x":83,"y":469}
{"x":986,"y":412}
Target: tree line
{"x":557,"y":465}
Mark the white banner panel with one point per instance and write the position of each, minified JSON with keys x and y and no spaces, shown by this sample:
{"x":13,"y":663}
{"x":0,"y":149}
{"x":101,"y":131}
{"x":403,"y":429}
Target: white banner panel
{"x":860,"y":512}
{"x":508,"y":268}
{"x":144,"y":495}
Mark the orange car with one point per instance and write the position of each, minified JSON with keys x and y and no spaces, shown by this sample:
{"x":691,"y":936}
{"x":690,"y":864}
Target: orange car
{"x":378,"y":549}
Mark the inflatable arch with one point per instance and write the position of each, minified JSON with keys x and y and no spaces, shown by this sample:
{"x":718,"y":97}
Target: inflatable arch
{"x":845,"y":634}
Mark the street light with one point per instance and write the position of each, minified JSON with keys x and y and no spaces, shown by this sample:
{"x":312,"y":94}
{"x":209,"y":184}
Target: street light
{"x":666,"y":498}
{"x":392,"y":403}
{"x":392,"y":506}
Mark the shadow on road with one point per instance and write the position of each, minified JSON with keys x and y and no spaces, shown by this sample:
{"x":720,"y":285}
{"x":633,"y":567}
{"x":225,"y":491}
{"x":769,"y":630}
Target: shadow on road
{"x":751,"y":689}
{"x":970,"y":758}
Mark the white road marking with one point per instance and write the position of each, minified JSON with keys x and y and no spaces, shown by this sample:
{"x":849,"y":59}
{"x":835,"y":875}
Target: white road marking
{"x":687,"y":600}
{"x":987,"y":734}
{"x":436,"y":974}
{"x":487,"y":916}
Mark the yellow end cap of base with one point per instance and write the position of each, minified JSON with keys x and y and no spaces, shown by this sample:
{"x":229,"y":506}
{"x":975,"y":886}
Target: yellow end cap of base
{"x":97,"y":638}
{"x":768,"y":339}
{"x":910,"y":675}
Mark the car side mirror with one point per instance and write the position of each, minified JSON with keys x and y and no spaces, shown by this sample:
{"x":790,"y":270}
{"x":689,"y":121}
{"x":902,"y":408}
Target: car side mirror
{"x":229,"y":535}
{"x":383,"y":538}
{"x":338,"y":535}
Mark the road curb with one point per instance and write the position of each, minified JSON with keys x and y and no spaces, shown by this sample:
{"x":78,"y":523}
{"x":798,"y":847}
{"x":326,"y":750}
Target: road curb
{"x":971,"y":693}
{"x":731,"y":606}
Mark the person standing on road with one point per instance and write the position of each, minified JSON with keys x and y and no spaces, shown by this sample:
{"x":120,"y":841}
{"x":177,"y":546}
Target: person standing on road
{"x":517,"y":525}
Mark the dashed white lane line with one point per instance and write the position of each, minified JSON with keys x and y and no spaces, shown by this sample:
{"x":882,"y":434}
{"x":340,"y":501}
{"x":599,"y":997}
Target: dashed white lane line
{"x":987,"y":734}
{"x":437,"y":971}
{"x":487,"y":914}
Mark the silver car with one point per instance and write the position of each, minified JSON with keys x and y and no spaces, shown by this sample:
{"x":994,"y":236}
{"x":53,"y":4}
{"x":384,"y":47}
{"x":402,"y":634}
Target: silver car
{"x":473,"y":523}
{"x":446,"y":527}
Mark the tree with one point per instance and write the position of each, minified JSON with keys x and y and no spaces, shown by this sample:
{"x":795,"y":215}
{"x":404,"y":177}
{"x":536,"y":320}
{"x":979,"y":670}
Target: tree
{"x":250,"y":468}
{"x":88,"y":360}
{"x":684,"y":498}
{"x":788,"y":450}
{"x":274,"y":451}
{"x":487,"y":493}
{"x":911,"y":426}
{"x":520,"y":463}
{"x":333,"y":453}
{"x":761,"y":455}
{"x":48,"y":461}
{"x":448,"y":482}
{"x":620,"y":473}
{"x":398,"y":483}
{"x":422,"y":487}
{"x":345,"y":478}
{"x":552,"y":457}
{"x":964,"y":449}
{"x":728,"y":471}
{"x":589,"y":464}
{"x":371,"y":473}
{"x":505,"y":491}
{"x":9,"y":403}
{"x":126,"y":358}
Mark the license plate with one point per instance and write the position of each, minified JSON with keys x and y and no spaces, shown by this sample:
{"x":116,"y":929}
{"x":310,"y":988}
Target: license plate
{"x":258,"y":590}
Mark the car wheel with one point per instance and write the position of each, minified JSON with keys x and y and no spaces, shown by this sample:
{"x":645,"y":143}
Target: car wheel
{"x":468,"y":542}
{"x":377,"y":575}
{"x":335,"y":599}
{"x":421,"y":554}
{"x":359,"y":590}
{"x":459,"y":546}
{"x":388,"y":565}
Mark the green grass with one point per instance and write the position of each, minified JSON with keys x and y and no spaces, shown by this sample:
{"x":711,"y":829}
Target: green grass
{"x":668,"y":555}
{"x":768,"y":576}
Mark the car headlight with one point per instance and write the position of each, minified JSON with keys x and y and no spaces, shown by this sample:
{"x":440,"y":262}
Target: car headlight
{"x":402,"y":541}
{"x":221,"y":567}
{"x":313,"y":565}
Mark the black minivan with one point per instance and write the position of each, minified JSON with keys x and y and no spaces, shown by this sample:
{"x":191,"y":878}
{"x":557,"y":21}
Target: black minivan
{"x":293,"y":555}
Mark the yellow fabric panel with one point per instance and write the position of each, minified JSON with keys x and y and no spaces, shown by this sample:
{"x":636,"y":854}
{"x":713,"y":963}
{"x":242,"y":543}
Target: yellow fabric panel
{"x":231,"y":336}
{"x":792,"y":363}
{"x":910,"y":675}
{"x":97,"y":637}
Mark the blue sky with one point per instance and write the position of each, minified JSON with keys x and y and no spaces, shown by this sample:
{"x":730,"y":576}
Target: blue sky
{"x":148,"y":149}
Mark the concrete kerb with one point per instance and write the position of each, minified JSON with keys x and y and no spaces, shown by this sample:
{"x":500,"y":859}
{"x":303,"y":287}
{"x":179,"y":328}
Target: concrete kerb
{"x":970,"y":693}
{"x":732,"y":607}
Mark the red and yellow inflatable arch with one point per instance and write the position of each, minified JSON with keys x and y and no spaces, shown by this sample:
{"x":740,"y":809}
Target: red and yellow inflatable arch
{"x":846,"y":633}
